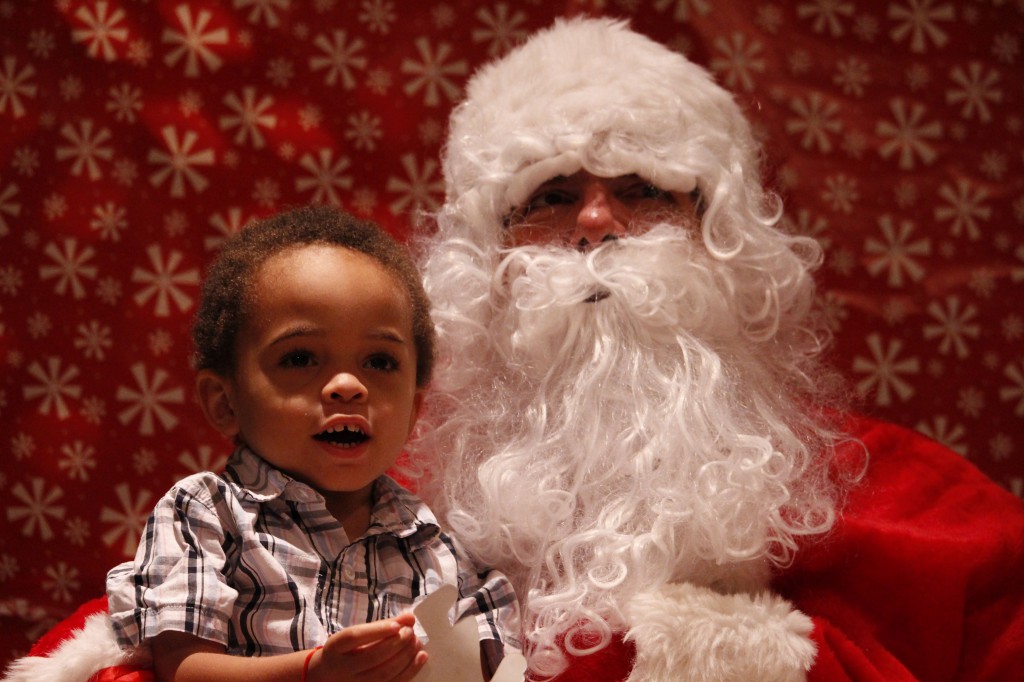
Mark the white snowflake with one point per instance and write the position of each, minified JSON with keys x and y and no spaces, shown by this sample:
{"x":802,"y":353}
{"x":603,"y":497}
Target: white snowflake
{"x":326,"y":174}
{"x":502,"y":28}
{"x":8,"y":207}
{"x":101,"y":30}
{"x":147,"y":401}
{"x":94,"y":409}
{"x":263,"y":10}
{"x":11,"y":280}
{"x":41,"y":43}
{"x":954,"y":326}
{"x":55,"y":384}
{"x":917,"y":20}
{"x":78,"y":459}
{"x":907,"y":134}
{"x":280,"y":72}
{"x":179,"y":162}
{"x":816,"y":119}
{"x":202,"y":460}
{"x":8,"y":567}
{"x":971,"y":402}
{"x":884,"y":369}
{"x":827,"y":15}
{"x":109,"y":220}
{"x":226,"y":224}
{"x":193,"y":41}
{"x":127,"y":521}
{"x":26,"y":162}
{"x":23,"y":446}
{"x":60,"y":582}
{"x":160,"y":342}
{"x":432,"y":73}
{"x":853,"y":74}
{"x":71,"y":266}
{"x":76,"y":531}
{"x":93,"y":339}
{"x":125,"y":102}
{"x":896,"y":254}
{"x":249,"y":115}
{"x":39,"y":508}
{"x":950,"y":435}
{"x":363,"y":130}
{"x":163,"y":282}
{"x":681,"y":13}
{"x":840,"y":193}
{"x":108,"y":290}
{"x":976,"y":90}
{"x":1006,"y":47}
{"x":144,"y":461}
{"x":739,"y":59}
{"x":14,"y":85}
{"x":419,"y":191}
{"x":1015,"y":391}
{"x":964,"y":208}
{"x":339,"y":59}
{"x":266,"y":192}
{"x":378,"y":15}
{"x":85,"y":148}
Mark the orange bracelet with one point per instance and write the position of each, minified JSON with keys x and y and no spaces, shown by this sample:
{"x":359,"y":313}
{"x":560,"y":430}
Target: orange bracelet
{"x":309,"y":657}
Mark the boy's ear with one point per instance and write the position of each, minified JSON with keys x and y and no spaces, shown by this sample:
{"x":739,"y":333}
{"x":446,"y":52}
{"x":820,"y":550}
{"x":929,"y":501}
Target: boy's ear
{"x":417,"y":405}
{"x":214,"y":394}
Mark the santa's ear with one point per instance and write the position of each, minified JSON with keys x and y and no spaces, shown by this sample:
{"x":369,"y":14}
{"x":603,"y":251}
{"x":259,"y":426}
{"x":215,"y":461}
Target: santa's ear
{"x":214,"y":394}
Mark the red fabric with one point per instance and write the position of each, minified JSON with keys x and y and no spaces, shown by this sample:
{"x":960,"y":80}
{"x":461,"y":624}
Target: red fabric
{"x":135,"y":135}
{"x":923,"y":578}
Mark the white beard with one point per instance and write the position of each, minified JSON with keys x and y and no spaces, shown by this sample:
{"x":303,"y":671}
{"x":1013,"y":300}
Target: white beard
{"x":606,"y":448}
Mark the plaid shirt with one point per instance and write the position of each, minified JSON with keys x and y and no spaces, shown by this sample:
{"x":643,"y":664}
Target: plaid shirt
{"x":253,"y":560}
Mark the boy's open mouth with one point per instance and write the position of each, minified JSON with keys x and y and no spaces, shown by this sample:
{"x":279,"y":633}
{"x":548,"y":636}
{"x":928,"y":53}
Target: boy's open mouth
{"x":343,"y":436}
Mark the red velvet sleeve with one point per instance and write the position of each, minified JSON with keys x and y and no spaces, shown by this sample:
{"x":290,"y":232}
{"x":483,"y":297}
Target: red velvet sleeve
{"x":922,"y":578}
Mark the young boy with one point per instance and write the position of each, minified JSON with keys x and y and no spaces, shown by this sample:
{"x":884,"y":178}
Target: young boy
{"x":302,"y":560}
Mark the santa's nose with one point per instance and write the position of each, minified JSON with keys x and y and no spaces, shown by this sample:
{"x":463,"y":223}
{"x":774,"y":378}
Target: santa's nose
{"x":600,"y":215}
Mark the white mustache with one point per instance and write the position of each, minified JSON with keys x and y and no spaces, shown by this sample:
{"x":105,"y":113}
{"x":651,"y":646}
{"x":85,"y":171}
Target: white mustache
{"x":663,"y":282}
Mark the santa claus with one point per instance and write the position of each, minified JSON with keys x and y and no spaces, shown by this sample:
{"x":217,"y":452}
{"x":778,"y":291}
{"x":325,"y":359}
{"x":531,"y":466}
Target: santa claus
{"x":631,"y":419}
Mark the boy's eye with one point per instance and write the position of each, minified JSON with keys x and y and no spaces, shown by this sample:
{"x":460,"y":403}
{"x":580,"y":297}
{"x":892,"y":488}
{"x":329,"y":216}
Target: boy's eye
{"x":298,"y":358}
{"x":381,"y":363}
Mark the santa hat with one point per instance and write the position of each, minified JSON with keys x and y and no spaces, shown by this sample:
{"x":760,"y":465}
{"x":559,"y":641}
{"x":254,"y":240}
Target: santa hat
{"x":589,"y":94}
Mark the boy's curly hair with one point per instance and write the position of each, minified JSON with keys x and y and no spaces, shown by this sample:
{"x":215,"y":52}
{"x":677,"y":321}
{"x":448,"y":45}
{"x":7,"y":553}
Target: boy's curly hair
{"x":227,"y":291}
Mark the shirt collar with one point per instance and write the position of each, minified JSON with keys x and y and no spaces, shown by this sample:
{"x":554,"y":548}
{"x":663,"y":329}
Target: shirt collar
{"x":395,"y":510}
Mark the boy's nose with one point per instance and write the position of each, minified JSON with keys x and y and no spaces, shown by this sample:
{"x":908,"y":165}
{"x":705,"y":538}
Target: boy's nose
{"x":344,"y":386}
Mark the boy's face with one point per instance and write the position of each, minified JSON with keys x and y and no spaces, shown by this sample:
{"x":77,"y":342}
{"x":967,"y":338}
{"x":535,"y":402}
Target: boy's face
{"x":325,"y":379}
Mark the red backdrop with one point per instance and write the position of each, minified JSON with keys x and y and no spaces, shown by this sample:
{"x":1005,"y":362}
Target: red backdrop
{"x":136,"y":134}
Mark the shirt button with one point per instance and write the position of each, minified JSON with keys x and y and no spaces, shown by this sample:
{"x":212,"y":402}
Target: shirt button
{"x":347,"y":573}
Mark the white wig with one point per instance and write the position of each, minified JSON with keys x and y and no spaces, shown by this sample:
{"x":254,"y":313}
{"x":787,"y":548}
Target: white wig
{"x":594,"y":450}
{"x":593,"y":95}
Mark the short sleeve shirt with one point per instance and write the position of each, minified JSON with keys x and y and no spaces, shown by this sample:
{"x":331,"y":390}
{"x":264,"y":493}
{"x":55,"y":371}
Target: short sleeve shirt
{"x":253,"y":560}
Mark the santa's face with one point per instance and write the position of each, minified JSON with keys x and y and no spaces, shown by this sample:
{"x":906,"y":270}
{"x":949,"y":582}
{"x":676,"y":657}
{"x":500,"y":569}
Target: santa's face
{"x":582,"y":210}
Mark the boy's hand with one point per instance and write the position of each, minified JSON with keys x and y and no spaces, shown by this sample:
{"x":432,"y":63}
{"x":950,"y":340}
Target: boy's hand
{"x":383,"y":650}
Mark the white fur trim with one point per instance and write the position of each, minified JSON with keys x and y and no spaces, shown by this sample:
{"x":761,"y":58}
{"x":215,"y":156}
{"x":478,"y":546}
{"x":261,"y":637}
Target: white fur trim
{"x":686,"y":632}
{"x":589,"y":94}
{"x":78,"y":658}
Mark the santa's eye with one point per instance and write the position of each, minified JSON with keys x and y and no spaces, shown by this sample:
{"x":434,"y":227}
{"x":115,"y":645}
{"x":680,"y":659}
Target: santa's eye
{"x":547,"y":199}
